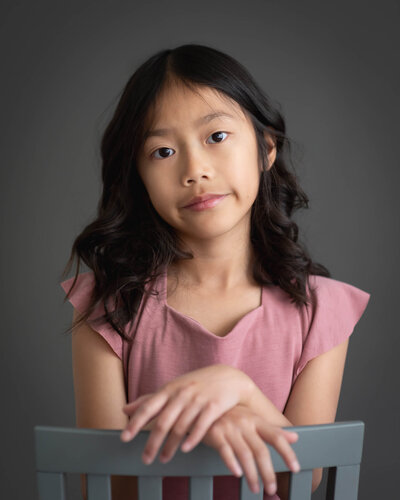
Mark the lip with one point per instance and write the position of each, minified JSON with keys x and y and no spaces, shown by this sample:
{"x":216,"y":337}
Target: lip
{"x":205,"y":201}
{"x":203,"y":197}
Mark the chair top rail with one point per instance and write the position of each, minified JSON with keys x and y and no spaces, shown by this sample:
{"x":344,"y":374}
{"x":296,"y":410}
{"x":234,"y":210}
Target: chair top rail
{"x":100,"y":451}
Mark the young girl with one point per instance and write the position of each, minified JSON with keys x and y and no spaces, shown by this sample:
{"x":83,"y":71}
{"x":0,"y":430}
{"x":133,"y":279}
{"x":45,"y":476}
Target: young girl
{"x":202,"y":317}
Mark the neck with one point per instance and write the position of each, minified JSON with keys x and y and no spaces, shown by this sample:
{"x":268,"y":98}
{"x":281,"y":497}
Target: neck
{"x":219,"y":264}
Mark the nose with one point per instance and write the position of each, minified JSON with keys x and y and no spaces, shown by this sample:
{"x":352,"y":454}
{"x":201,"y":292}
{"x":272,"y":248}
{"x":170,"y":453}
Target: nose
{"x":195,"y":168}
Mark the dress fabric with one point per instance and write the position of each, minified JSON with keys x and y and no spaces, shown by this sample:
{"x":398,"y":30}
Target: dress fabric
{"x":271,"y":344}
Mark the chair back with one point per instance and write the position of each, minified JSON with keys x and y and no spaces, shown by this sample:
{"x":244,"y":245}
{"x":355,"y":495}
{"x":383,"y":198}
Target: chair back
{"x":100,"y":453}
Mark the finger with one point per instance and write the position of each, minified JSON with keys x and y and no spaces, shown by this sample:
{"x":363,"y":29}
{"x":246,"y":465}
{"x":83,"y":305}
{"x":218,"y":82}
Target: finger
{"x":228,"y":456}
{"x":162,"y":427}
{"x":149,"y":409}
{"x":280,"y":443}
{"x":207,"y":417}
{"x":263,"y":460}
{"x":179,"y":430}
{"x":246,"y":459}
{"x":130,"y":407}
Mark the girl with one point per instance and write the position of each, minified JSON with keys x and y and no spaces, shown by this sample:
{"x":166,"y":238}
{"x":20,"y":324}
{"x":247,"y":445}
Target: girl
{"x":203,"y":318}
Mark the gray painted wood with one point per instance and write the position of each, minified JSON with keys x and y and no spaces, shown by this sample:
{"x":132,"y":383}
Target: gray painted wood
{"x":100,"y":453}
{"x":300,"y":485}
{"x":98,"y":487}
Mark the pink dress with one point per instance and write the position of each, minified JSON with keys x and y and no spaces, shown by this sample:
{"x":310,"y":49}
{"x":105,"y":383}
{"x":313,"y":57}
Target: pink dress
{"x":271,"y":344}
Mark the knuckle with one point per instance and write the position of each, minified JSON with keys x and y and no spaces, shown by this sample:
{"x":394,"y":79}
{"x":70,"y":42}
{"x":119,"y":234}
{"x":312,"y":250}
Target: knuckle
{"x":223,"y":447}
{"x":160,"y":426}
{"x":278,"y":439}
{"x":262,"y":453}
{"x":245,"y":454}
{"x":212,"y":406}
{"x":242,"y":421}
{"x":178,"y":430}
{"x":186,"y":389}
{"x":199,"y":400}
{"x":215,"y":432}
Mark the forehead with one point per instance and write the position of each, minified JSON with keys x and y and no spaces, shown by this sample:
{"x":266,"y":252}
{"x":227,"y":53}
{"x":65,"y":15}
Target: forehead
{"x":180,"y":105}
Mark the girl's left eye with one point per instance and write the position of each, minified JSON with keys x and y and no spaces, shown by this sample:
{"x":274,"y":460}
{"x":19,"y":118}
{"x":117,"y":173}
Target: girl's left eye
{"x":218,"y":133}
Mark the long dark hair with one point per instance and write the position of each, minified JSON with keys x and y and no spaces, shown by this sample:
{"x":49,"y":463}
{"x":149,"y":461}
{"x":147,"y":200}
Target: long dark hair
{"x":128,"y":244}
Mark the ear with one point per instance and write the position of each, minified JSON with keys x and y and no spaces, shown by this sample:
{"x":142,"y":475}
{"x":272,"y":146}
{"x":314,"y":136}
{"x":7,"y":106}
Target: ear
{"x":271,"y":141}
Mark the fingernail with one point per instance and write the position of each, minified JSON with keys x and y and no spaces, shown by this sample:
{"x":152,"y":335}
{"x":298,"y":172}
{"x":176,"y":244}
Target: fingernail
{"x":186,"y":446}
{"x":146,"y":459}
{"x":255,"y":488}
{"x":238,"y":471}
{"x":271,"y":488}
{"x":125,"y":435}
{"x":295,"y":466}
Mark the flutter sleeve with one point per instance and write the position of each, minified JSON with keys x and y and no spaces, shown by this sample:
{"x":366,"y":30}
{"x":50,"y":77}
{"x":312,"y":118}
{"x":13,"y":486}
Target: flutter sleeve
{"x":80,"y":298}
{"x":337,"y":310}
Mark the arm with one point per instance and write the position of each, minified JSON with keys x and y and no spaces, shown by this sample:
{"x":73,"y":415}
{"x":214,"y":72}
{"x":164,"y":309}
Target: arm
{"x":313,"y":400}
{"x":99,"y":396}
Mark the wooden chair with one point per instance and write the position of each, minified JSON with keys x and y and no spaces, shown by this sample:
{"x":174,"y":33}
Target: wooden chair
{"x":100,"y":453}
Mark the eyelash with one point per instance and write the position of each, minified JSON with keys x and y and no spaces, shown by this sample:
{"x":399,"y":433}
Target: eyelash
{"x":217,"y":132}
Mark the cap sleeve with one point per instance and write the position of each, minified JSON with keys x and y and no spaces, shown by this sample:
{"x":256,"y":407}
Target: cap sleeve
{"x":80,"y":298}
{"x":337,"y":310}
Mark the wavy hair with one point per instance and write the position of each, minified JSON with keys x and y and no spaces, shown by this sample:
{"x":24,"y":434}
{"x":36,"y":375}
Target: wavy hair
{"x":128,"y":244}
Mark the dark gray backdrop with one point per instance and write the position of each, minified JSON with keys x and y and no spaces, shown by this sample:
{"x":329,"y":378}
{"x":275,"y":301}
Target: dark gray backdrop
{"x":333,"y":66}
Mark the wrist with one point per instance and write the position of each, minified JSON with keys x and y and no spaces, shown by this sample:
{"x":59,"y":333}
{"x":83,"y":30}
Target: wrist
{"x":248,"y":389}
{"x":261,"y":405}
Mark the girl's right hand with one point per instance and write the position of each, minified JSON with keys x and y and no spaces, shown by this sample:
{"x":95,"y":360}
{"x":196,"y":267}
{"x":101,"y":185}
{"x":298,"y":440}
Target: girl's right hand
{"x":241,"y":433}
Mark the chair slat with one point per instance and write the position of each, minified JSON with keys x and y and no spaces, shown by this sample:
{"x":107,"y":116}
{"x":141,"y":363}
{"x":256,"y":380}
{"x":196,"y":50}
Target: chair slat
{"x":300,"y":485}
{"x":101,"y":454}
{"x":201,"y":488}
{"x":150,"y":488}
{"x":246,"y":493}
{"x":51,"y":485}
{"x":98,"y":487}
{"x":343,"y":482}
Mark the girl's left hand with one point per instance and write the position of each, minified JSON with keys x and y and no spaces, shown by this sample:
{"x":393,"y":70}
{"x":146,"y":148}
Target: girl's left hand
{"x":189,"y":403}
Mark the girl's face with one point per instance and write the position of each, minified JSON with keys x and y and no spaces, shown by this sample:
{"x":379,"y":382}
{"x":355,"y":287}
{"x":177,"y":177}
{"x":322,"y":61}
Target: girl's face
{"x":197,"y":154}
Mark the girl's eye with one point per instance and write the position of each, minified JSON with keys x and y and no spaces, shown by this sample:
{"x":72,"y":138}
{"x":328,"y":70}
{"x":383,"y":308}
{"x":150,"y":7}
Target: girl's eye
{"x":217,"y":133}
{"x":160,"y":149}
{"x":169,"y":149}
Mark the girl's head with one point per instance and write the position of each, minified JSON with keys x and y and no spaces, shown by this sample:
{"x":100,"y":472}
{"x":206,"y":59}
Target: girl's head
{"x":201,"y":142}
{"x":141,"y":224}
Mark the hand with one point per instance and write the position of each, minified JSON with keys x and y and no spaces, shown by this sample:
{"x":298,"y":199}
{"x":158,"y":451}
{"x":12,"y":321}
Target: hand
{"x":191,"y":402}
{"x":241,"y":433}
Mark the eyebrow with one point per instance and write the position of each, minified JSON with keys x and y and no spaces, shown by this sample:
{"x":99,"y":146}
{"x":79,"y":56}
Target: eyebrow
{"x":160,"y":132}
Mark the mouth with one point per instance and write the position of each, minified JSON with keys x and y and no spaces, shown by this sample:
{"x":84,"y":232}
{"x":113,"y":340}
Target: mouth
{"x":204,"y":202}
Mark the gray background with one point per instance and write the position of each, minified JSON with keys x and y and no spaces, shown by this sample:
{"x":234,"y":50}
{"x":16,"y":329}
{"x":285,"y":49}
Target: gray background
{"x":333,"y":66}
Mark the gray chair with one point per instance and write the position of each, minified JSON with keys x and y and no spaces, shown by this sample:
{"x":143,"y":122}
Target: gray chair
{"x":100,"y":453}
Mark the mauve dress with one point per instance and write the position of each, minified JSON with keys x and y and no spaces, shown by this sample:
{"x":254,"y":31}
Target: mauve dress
{"x":271,"y":344}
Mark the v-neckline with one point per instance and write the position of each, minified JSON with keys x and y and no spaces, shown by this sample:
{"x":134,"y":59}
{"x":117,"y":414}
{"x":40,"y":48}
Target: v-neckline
{"x":200,"y":327}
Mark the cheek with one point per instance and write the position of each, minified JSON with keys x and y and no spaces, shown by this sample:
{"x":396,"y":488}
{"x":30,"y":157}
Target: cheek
{"x":160,"y":195}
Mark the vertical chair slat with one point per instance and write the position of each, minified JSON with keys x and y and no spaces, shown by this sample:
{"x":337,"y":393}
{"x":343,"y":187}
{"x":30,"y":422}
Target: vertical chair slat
{"x":149,"y":487}
{"x":300,"y":485}
{"x":201,"y":488}
{"x":343,"y":482}
{"x":99,"y":487}
{"x":51,"y":485}
{"x":246,"y":493}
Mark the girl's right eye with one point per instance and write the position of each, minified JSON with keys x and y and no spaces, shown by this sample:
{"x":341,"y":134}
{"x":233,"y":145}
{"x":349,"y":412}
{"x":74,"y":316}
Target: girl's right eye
{"x":160,"y":149}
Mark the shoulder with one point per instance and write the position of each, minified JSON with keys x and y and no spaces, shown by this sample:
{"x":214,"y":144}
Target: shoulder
{"x":80,"y":295}
{"x":332,"y":296}
{"x":80,"y":290}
